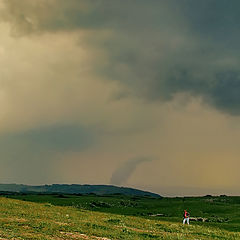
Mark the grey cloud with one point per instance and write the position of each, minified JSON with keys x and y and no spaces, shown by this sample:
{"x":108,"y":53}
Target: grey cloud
{"x":28,"y":16}
{"x":216,"y":19}
{"x":220,"y":90}
{"x":181,"y":56}
{"x":53,"y":138}
{"x":156,"y":48}
{"x":39,"y":16}
{"x":122,"y":174}
{"x":31,"y":154}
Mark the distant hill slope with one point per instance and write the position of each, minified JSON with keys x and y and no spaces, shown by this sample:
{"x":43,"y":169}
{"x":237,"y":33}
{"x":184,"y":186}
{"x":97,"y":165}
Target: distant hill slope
{"x":76,"y":189}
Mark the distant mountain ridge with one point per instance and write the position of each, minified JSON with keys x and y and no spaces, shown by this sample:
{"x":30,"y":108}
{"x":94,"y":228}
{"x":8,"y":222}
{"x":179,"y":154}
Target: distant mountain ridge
{"x":76,"y":189}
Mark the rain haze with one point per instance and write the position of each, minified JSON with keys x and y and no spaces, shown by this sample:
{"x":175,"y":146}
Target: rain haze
{"x":144,"y":94}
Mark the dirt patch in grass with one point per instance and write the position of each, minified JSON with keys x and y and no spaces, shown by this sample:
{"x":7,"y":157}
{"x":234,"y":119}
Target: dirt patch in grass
{"x":83,"y":236}
{"x":135,"y":229}
{"x":62,"y":223}
{"x":12,"y":219}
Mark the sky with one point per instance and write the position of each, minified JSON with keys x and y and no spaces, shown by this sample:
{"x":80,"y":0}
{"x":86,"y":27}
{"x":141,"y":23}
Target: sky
{"x":138,"y":93}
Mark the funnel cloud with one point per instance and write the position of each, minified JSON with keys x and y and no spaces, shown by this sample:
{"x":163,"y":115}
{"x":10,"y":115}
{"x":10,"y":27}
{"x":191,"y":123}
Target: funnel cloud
{"x":124,"y":172}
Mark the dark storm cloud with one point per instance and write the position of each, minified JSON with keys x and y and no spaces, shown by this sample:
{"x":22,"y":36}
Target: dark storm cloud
{"x":215,"y":19}
{"x":156,"y":48}
{"x":56,"y":15}
{"x":122,"y":174}
{"x":221,"y":90}
{"x":32,"y":153}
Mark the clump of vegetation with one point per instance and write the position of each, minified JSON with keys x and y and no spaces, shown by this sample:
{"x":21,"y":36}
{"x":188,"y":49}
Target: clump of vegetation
{"x":98,"y":204}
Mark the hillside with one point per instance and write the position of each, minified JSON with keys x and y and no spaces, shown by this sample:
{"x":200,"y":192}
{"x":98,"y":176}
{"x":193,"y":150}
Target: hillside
{"x":76,"y":189}
{"x":27,"y":220}
{"x":217,"y":211}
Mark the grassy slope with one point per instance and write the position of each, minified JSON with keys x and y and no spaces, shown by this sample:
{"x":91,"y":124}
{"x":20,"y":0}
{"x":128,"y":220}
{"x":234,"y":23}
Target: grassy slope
{"x":225,"y":208}
{"x":27,"y":220}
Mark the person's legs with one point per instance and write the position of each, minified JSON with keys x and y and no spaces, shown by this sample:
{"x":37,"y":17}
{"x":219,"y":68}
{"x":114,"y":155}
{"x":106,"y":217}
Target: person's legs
{"x":188,"y":220}
{"x":184,"y":220}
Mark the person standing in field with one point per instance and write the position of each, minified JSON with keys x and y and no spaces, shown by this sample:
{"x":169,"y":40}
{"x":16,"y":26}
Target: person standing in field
{"x":186,"y":216}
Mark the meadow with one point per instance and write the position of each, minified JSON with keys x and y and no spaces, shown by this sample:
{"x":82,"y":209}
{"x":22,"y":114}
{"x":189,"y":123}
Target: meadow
{"x":58,"y":216}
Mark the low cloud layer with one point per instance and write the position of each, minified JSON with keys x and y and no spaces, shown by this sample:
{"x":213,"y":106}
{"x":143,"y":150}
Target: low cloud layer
{"x":32,"y":154}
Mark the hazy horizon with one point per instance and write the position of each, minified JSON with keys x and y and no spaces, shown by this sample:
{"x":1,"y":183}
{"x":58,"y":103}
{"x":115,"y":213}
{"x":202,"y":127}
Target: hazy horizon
{"x":136,"y":93}
{"x":162,"y":190}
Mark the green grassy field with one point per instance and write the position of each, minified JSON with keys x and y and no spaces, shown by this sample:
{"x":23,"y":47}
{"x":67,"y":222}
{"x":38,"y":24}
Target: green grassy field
{"x":118,"y":217}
